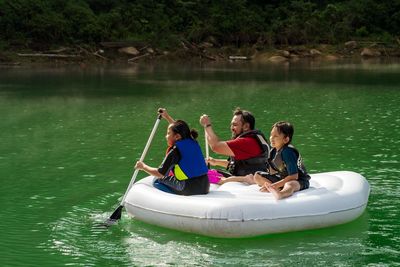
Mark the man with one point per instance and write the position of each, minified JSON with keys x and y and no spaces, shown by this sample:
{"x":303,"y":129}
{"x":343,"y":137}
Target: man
{"x":247,"y":150}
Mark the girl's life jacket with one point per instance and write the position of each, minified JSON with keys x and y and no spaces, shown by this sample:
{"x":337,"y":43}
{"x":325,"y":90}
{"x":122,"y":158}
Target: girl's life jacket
{"x":192,"y":163}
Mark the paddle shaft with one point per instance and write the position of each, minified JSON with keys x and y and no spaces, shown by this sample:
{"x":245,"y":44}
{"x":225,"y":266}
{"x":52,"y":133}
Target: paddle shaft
{"x":146,"y":148}
{"x":207,"y":150}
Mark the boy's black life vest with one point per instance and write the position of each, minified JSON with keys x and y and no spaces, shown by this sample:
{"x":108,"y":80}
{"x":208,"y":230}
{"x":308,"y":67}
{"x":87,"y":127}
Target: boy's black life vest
{"x":279,"y":165}
{"x":251,"y":165}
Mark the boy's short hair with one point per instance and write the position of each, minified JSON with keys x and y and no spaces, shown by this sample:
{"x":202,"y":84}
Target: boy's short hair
{"x":247,"y":117}
{"x":285,"y":128}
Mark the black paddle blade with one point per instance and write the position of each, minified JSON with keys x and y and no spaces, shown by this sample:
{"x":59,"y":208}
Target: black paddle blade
{"x":117,"y":213}
{"x":114,"y":217}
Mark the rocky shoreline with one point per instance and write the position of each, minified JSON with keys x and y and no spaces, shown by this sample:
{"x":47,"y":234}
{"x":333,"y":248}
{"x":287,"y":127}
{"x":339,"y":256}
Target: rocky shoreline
{"x":134,"y":53}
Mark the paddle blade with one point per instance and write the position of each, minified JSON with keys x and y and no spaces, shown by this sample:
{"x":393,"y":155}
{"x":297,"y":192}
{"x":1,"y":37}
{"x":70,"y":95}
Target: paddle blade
{"x":114,"y":217}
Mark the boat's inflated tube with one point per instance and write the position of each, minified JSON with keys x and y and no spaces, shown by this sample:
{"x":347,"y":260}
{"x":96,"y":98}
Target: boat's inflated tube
{"x":239,"y":210}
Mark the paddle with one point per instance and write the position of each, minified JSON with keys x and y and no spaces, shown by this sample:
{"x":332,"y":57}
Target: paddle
{"x":213,"y":175}
{"x":116,"y":215}
{"x":207,"y":151}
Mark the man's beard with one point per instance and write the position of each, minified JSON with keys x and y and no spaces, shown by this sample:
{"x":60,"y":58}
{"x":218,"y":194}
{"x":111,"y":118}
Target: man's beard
{"x":234,"y":136}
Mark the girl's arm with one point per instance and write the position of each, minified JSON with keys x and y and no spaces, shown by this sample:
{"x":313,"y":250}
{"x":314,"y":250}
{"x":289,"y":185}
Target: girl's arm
{"x":165,"y":115}
{"x":150,"y":170}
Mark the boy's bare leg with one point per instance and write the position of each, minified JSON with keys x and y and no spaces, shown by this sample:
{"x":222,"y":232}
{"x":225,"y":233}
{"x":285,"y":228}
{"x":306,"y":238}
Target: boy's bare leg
{"x":258,"y":179}
{"x":288,"y":189}
{"x":276,"y":193}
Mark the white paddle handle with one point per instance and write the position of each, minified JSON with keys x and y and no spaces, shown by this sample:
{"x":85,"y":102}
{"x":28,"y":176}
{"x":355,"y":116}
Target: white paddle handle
{"x":206,"y":142}
{"x":146,"y":148}
{"x":207,"y":149}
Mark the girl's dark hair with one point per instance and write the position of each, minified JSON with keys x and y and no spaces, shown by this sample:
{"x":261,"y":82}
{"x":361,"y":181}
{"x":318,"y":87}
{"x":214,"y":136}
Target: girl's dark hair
{"x":182,"y":128}
{"x":285,"y":128}
{"x":246,"y":117}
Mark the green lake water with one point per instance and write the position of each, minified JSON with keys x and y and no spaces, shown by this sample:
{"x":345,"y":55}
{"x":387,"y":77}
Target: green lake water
{"x":69,"y":138}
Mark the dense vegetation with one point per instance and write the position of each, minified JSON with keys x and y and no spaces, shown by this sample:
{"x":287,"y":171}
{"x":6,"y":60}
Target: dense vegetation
{"x":227,"y":22}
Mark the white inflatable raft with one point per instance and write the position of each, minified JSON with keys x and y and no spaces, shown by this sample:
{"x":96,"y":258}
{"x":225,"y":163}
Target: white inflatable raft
{"x":240,"y":210}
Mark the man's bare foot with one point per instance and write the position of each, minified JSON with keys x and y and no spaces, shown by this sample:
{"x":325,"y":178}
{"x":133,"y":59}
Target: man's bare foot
{"x":222,"y":181}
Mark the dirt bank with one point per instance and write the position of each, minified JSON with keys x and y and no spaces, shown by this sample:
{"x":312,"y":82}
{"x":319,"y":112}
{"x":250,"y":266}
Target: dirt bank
{"x":125,"y":53}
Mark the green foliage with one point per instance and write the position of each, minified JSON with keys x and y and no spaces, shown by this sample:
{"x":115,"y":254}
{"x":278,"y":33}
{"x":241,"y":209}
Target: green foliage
{"x":82,"y":23}
{"x":166,"y":22}
{"x":362,"y":32}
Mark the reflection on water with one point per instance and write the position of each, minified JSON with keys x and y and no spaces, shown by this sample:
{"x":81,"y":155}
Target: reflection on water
{"x":134,"y":243}
{"x":69,"y":138}
{"x":273,"y":250}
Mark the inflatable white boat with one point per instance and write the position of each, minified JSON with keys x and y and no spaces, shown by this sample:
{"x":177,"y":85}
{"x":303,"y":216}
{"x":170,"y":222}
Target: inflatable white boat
{"x":239,"y":210}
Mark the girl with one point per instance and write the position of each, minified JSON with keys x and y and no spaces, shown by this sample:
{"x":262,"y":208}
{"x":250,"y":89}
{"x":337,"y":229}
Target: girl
{"x":183,"y":170}
{"x":287,"y":173}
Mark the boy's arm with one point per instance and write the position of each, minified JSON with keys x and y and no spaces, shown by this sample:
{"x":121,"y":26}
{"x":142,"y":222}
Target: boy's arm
{"x":290,"y":159}
{"x":282,"y":182}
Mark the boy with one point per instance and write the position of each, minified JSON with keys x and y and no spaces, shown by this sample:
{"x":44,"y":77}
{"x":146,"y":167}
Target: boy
{"x":287,"y":173}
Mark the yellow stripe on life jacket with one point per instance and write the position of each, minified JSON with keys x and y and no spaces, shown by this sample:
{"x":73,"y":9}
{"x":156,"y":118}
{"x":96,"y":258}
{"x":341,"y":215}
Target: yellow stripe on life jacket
{"x":179,"y":174}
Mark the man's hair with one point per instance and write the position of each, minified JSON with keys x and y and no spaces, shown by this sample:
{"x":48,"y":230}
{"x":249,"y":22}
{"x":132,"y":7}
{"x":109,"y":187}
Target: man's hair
{"x":247,"y":117}
{"x":285,"y":128}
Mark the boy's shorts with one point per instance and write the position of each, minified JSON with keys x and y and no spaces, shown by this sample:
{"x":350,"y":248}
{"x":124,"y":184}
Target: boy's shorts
{"x":304,"y":183}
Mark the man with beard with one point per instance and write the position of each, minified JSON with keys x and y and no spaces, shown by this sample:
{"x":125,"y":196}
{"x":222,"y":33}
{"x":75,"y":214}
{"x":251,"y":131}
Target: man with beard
{"x":247,"y":150}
